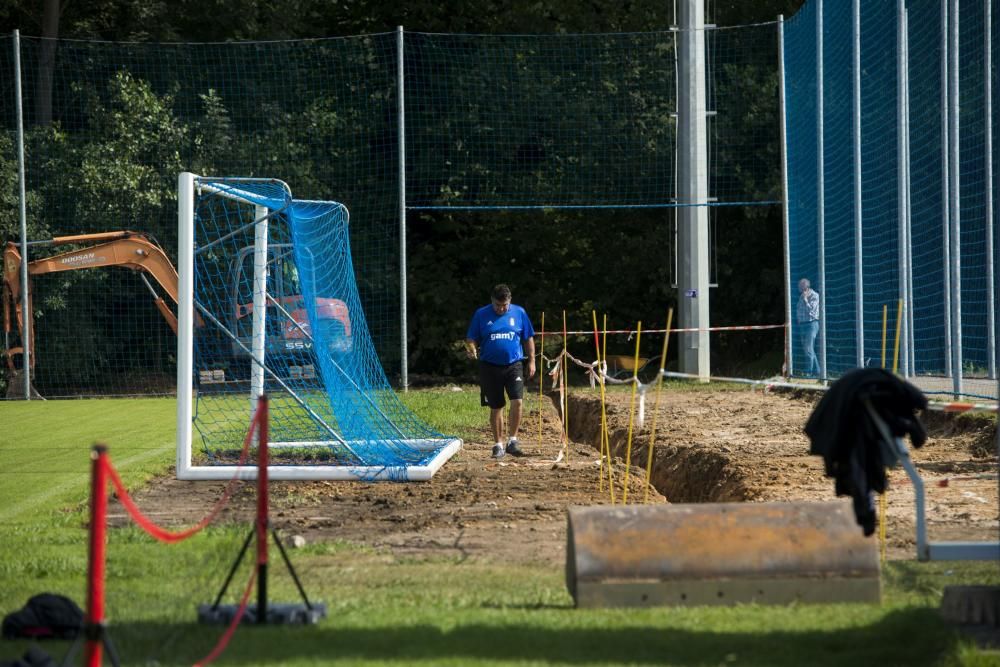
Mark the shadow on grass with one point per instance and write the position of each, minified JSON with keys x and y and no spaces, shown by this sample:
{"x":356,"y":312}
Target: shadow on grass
{"x":914,"y":636}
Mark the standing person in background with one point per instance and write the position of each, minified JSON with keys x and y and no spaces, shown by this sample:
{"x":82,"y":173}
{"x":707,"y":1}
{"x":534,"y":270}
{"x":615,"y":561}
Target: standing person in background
{"x":807,"y":316}
{"x":494,"y":338}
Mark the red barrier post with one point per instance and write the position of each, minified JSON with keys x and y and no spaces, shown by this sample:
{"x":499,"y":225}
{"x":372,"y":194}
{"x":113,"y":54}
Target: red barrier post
{"x":94,"y":626}
{"x":262,"y":502}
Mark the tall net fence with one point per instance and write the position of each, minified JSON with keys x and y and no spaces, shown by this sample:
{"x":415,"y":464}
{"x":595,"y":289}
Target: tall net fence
{"x":491,"y":122}
{"x":889,"y":192}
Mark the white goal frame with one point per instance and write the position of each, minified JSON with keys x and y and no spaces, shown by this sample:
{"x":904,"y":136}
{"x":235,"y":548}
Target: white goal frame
{"x":187,"y":183}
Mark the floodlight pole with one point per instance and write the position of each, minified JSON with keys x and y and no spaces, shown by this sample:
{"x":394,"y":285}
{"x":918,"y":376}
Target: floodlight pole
{"x":23,"y":213}
{"x":692,"y":190}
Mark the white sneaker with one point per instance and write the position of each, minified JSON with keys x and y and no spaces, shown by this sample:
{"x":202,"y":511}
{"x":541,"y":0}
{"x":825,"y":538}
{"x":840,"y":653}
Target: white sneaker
{"x":498,"y":451}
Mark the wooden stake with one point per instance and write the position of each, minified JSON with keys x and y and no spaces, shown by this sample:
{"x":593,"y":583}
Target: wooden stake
{"x":604,"y":420}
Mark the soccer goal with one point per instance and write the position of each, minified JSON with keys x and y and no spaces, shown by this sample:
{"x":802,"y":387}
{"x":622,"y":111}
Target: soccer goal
{"x":269,"y":304}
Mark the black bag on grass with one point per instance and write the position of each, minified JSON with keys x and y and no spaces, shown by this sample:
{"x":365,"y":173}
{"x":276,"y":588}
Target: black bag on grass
{"x":45,"y":616}
{"x":35,"y":657}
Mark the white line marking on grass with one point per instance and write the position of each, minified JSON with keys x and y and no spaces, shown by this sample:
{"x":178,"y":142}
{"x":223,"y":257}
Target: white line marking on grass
{"x":29,"y":503}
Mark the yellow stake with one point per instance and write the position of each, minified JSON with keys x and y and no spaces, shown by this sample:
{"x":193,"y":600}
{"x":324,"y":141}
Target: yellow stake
{"x":656,"y":405}
{"x":631,"y":413}
{"x":541,"y":380}
{"x":566,"y":383}
{"x":895,"y":351}
{"x":883,"y":502}
{"x":604,"y":421}
{"x":885,"y":315}
{"x":881,"y":526}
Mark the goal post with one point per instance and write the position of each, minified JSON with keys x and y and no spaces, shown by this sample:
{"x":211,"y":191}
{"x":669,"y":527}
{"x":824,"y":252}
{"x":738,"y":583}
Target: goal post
{"x":259,"y":304}
{"x":269,"y":304}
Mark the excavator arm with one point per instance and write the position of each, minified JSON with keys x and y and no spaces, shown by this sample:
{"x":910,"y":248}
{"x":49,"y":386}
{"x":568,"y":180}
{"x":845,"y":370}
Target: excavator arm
{"x":131,"y":250}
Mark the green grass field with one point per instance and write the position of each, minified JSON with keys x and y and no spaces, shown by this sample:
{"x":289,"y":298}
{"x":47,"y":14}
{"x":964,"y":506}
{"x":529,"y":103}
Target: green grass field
{"x":386,"y":610}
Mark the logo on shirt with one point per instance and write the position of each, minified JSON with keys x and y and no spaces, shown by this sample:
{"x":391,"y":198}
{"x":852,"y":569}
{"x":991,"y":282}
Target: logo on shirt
{"x":511,"y":320}
{"x":506,"y":335}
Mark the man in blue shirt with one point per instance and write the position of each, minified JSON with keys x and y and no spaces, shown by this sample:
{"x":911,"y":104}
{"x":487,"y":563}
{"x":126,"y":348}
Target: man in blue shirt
{"x":494,"y":337}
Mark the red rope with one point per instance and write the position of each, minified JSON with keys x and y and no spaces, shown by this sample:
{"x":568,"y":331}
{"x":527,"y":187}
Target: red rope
{"x":260,"y":422}
{"x":162,"y":534}
{"x":228,"y":634}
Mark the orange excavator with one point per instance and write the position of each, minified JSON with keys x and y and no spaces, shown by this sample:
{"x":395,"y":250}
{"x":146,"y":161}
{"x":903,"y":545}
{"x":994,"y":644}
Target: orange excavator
{"x":140,"y":252}
{"x":131,"y":250}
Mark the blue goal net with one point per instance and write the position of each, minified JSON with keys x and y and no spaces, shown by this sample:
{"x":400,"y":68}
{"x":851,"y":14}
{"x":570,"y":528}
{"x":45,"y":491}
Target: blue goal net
{"x":276,"y":310}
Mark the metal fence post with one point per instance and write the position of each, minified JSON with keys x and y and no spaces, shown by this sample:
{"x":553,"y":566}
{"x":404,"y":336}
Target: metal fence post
{"x":23,"y":213}
{"x":991,"y":344}
{"x":954,"y":194}
{"x":401,"y":131}
{"x":789,"y":366}
{"x":820,"y":192}
{"x":859,"y":274}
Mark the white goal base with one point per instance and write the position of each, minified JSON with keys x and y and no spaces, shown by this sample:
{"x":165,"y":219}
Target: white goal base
{"x":330,"y":473}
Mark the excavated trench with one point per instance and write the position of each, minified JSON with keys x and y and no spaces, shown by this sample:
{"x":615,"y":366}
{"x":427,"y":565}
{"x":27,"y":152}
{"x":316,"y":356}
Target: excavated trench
{"x":683,"y":473}
{"x":717,"y":447}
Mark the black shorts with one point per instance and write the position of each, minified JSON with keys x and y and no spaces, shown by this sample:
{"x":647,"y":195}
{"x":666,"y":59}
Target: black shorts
{"x":494,"y":380}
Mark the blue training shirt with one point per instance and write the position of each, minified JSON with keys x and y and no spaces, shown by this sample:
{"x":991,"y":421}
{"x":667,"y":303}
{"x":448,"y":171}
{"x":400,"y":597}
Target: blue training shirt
{"x":499,"y":336}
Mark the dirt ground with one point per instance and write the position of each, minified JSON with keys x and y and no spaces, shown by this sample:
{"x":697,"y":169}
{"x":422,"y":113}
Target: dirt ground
{"x":711,"y":446}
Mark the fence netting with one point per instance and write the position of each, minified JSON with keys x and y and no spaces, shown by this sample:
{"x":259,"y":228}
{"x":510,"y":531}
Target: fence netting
{"x":491,"y":122}
{"x":859,"y":228}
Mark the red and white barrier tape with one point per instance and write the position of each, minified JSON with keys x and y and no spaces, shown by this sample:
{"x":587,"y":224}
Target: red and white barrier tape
{"x":937,"y":406}
{"x":630,"y":332}
{"x":962,"y":407}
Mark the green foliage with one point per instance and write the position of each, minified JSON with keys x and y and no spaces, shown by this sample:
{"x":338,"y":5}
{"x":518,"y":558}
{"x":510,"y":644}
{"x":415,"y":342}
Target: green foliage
{"x":132,"y":144}
{"x":10,"y":207}
{"x":114,"y":175}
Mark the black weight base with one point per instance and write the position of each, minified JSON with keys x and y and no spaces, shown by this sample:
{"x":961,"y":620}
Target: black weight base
{"x":277,"y":614}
